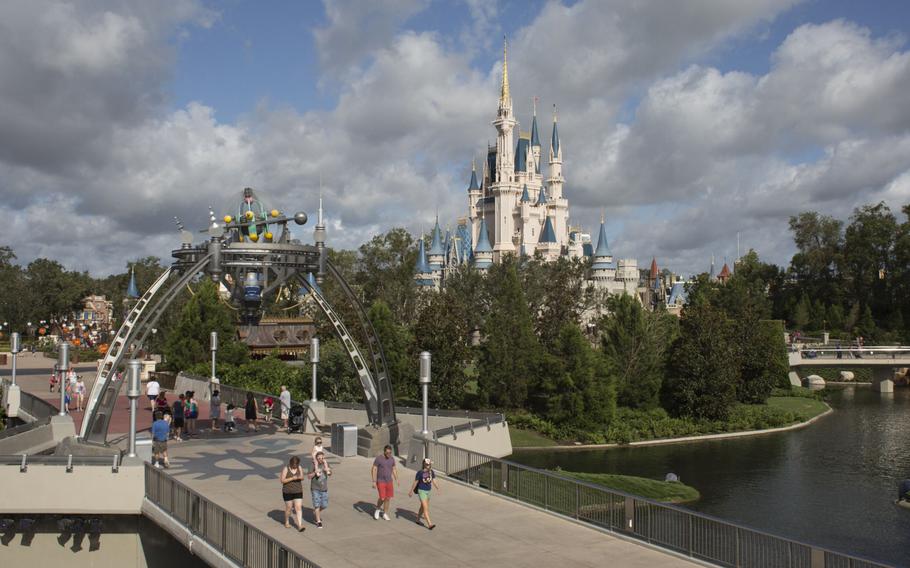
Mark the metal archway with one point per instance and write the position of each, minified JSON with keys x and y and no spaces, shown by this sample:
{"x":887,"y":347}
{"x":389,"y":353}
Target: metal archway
{"x":249,"y":270}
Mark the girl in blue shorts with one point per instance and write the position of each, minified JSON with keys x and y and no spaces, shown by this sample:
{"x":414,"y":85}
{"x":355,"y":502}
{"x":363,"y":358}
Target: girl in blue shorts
{"x":424,"y":482}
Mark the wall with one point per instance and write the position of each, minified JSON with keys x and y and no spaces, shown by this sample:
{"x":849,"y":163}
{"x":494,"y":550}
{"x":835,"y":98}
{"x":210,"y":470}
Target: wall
{"x":88,"y":489}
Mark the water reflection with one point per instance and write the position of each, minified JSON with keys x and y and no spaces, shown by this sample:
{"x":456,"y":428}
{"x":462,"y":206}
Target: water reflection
{"x":832,"y":483}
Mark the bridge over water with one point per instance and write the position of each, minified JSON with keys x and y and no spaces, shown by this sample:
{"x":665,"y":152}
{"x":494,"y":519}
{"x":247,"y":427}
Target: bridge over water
{"x":882,"y":360}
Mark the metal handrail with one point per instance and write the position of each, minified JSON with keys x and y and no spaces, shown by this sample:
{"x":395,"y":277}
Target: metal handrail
{"x":225,"y":532}
{"x":668,"y":526}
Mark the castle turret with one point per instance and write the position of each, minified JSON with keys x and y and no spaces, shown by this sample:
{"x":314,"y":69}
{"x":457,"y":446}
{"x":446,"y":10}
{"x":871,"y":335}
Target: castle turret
{"x":474,"y":193}
{"x":548,"y":246}
{"x":535,"y":140}
{"x":423,"y":276}
{"x":603,"y":269}
{"x":436,"y":255}
{"x":132,"y":291}
{"x":483,"y":252}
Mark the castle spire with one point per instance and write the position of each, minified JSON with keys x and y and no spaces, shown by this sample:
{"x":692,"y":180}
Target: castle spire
{"x":505,"y":98}
{"x":535,"y":138}
{"x":132,"y":291}
{"x":554,"y":141}
{"x":473,"y":186}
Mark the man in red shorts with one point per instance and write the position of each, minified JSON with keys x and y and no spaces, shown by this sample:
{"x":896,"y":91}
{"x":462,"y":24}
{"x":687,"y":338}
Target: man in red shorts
{"x":383,"y":471}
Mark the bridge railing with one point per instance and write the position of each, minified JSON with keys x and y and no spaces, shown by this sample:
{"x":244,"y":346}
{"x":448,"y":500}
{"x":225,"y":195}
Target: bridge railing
{"x":847,"y":352}
{"x":674,"y":528}
{"x":247,"y":546}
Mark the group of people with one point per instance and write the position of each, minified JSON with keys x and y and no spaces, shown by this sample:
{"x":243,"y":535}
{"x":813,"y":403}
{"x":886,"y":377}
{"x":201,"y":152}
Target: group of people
{"x":73,"y":387}
{"x":383,"y":472}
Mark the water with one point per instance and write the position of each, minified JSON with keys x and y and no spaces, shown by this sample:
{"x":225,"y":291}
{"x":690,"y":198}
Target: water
{"x":832,"y":484}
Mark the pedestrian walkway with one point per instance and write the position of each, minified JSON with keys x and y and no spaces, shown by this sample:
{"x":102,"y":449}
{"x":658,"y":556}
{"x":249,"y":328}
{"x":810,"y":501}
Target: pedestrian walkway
{"x":240,"y":473}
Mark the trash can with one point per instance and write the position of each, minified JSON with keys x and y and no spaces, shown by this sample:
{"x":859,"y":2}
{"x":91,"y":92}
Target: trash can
{"x":344,"y":439}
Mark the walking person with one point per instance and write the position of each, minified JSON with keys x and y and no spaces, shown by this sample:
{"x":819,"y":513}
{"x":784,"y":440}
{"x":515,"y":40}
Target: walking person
{"x":319,"y":474}
{"x":161,"y":429}
{"x":317,"y":448}
{"x":161,"y":404}
{"x":384,"y":470}
{"x":191,"y":412}
{"x":79,"y":390}
{"x":152,"y":388}
{"x":250,"y":410}
{"x":179,"y":416}
{"x":424,"y":482}
{"x":215,"y":409}
{"x":284,"y":399}
{"x":292,"y":492}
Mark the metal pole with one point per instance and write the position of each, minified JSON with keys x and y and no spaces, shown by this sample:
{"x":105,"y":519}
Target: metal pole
{"x":133,"y":392}
{"x":314,"y":359}
{"x":63,"y":364}
{"x":15,"y":344}
{"x":424,"y":380}
{"x":214,"y":347}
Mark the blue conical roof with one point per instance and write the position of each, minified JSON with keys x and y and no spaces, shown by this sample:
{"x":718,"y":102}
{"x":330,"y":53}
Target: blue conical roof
{"x":421,"y":266}
{"x":483,"y":240}
{"x":311,"y":280}
{"x":542,"y":197}
{"x":535,"y":139}
{"x":132,"y":291}
{"x":603,"y":247}
{"x":548,"y":235}
{"x":554,"y":141}
{"x":473,"y":186}
{"x":525,"y":198}
{"x":436,"y":245}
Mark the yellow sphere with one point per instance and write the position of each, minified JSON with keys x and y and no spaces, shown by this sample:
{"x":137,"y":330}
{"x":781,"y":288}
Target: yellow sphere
{"x":275,"y":213}
{"x":268,"y":236}
{"x":249,"y":214}
{"x":254,"y":237}
{"x":228,"y":218}
{"x":241,"y":238}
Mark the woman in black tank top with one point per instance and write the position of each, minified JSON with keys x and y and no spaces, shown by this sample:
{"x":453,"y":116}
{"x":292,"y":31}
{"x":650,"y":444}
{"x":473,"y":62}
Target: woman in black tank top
{"x":292,"y":492}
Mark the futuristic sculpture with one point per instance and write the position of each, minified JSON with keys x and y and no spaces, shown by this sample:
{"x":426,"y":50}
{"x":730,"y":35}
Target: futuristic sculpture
{"x":253,"y":257}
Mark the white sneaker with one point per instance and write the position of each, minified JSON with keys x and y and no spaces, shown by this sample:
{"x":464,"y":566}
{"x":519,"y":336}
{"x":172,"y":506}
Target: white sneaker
{"x":386,"y":517}
{"x":157,"y":465}
{"x":376,"y":514}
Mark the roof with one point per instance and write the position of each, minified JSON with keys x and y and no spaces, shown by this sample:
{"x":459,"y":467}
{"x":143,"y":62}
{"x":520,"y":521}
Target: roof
{"x":542,"y":197}
{"x":653,"y":267}
{"x":548,"y":235}
{"x":473,"y":186}
{"x":678,"y":294}
{"x":603,"y":246}
{"x":483,"y":239}
{"x":525,"y":198}
{"x":132,"y":291}
{"x":421,"y":267}
{"x":724,"y":272}
{"x":436,"y":246}
{"x":535,"y":139}
{"x":554,"y":140}
{"x":521,"y":155}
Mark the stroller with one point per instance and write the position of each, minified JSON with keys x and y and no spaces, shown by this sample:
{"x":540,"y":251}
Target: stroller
{"x":296,"y":418}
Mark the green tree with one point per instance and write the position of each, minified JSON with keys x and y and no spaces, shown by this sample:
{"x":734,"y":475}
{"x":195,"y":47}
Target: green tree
{"x":188,"y":344}
{"x":397,"y":346}
{"x":762,"y":358}
{"x":866,"y":327}
{"x":703,"y":372}
{"x":635,"y":343}
{"x":384,"y":271}
{"x":52,"y":290}
{"x":579,"y":391}
{"x":868,"y":257}
{"x":802,"y":314}
{"x":510,"y":353}
{"x":816,"y":265}
{"x":445,"y":337}
{"x":836,"y":317}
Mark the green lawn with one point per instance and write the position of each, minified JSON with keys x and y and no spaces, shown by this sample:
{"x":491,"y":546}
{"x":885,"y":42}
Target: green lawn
{"x":805,"y":408}
{"x":666,"y":491}
{"x":526,"y":438}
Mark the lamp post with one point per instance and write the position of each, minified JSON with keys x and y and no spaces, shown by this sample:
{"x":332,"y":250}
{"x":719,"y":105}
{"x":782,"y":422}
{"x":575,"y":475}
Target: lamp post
{"x":15,"y":345}
{"x":63,"y":363}
{"x":424,"y":380}
{"x":214,"y":348}
{"x":133,"y":391}
{"x":314,"y":359}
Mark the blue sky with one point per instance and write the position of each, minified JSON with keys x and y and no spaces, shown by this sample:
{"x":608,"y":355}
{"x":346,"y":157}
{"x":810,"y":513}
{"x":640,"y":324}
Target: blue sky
{"x":686,"y":122}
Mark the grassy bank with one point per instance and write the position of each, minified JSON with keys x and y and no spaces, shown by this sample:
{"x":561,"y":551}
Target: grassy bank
{"x":860,"y":374}
{"x":666,"y":491}
{"x":631,"y":425}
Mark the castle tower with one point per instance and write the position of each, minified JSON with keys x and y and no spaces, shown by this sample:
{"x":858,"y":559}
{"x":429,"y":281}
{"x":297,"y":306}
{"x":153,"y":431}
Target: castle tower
{"x":483,"y":253}
{"x":603,"y":270}
{"x":535,"y":140}
{"x":474,"y":194}
{"x":548,"y":245}
{"x":423,"y":276}
{"x":505,"y":191}
{"x":436,"y":255}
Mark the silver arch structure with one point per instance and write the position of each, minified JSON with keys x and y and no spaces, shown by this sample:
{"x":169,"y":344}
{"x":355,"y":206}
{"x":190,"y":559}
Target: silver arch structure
{"x":236,"y":263}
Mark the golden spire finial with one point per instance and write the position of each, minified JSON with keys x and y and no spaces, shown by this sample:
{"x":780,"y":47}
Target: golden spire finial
{"x":504,"y":96}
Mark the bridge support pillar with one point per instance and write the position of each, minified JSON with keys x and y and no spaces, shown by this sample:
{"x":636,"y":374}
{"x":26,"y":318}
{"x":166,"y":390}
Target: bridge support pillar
{"x":883,"y":379}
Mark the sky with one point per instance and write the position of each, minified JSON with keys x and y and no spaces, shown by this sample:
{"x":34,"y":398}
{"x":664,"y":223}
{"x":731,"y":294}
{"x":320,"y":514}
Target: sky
{"x":684,"y":123}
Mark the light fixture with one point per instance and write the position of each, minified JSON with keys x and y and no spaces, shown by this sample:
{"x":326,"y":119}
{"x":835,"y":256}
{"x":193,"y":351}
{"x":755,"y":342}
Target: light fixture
{"x":27,"y":524}
{"x":95,"y":526}
{"x":7,"y":525}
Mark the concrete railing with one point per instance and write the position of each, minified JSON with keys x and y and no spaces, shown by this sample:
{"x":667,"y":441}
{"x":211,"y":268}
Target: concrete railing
{"x":669,"y":527}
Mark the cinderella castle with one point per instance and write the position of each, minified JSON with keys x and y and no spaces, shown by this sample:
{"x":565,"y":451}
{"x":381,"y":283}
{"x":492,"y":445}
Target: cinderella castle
{"x":515,"y":209}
